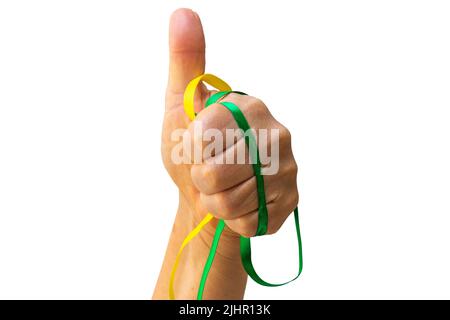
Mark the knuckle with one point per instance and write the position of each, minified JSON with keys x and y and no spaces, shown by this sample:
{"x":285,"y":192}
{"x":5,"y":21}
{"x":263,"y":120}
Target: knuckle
{"x":295,"y":168}
{"x":205,"y":178}
{"x":257,"y":105}
{"x":207,"y":117}
{"x":285,"y":134}
{"x":210,"y":178}
{"x":291,"y":170}
{"x":207,"y":173}
{"x":224,"y":206}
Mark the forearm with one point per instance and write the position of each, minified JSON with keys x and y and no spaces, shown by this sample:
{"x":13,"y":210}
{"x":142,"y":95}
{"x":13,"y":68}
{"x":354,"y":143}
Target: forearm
{"x":227,"y":278}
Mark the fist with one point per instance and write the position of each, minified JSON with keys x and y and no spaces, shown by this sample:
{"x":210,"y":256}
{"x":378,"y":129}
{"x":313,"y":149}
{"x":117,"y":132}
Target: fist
{"x":222,"y":169}
{"x":216,"y":175}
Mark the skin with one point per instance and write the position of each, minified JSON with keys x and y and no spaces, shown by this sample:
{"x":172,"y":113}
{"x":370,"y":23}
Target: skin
{"x":228,"y":191}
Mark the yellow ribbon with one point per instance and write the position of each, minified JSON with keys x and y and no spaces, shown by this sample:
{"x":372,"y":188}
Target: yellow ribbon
{"x":191,"y":88}
{"x":188,"y":239}
{"x":189,"y":96}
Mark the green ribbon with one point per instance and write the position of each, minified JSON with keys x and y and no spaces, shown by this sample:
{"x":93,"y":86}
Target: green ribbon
{"x":245,"y":244}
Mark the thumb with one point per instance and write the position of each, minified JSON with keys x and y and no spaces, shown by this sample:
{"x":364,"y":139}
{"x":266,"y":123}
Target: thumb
{"x":187,"y":52}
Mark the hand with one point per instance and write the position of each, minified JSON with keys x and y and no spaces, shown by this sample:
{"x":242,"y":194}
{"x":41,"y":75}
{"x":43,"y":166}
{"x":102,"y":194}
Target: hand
{"x":228,"y":191}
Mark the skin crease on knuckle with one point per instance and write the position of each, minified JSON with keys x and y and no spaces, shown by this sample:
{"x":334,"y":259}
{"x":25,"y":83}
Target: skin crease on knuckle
{"x":205,"y":178}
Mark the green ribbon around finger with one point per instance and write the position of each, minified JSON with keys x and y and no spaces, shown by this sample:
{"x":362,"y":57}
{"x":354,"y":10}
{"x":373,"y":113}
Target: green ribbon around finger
{"x":263,"y":220}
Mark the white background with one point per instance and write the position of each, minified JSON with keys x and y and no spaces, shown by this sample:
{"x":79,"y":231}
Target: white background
{"x":86,"y":206}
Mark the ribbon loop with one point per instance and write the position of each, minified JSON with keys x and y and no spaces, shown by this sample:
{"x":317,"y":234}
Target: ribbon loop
{"x":189,"y":94}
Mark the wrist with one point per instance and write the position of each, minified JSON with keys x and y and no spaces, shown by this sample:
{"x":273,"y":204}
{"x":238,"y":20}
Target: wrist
{"x":227,"y":279}
{"x":190,"y":214}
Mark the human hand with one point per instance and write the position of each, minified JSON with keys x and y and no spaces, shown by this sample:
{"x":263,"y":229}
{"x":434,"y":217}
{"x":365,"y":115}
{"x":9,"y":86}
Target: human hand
{"x":228,"y":191}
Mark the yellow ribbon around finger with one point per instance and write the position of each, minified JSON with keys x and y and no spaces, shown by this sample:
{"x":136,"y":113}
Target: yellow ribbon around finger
{"x":189,"y":97}
{"x":189,"y":94}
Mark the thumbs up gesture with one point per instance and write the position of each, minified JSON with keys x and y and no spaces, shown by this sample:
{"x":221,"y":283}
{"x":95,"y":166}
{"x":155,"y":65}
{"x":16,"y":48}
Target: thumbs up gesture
{"x":219,"y":182}
{"x":212,"y":184}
